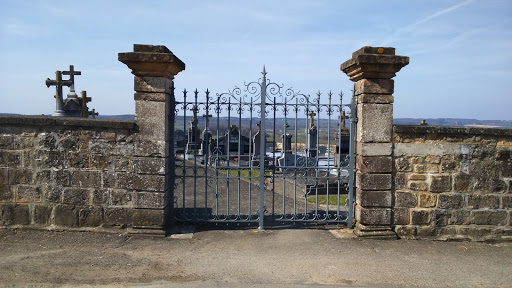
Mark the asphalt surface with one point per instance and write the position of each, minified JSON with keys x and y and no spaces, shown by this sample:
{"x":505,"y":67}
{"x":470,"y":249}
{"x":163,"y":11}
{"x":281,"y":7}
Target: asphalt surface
{"x":246,"y":258}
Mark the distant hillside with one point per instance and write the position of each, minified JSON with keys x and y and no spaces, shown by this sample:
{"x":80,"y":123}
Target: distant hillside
{"x":454,"y":122}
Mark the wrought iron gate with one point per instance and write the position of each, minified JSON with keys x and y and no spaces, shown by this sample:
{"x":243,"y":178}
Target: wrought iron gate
{"x":263,"y":155}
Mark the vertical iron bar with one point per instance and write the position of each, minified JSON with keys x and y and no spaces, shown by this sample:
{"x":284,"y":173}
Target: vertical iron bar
{"x":195,"y":156}
{"x":239,"y":148}
{"x":263,"y":97}
{"x":205,"y":154}
{"x":228,"y":156}
{"x":250,"y":157}
{"x":184,"y":173}
{"x":217,"y":161}
{"x":353,"y":120}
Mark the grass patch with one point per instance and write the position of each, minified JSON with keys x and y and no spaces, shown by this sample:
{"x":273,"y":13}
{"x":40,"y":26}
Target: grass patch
{"x":333,"y":199}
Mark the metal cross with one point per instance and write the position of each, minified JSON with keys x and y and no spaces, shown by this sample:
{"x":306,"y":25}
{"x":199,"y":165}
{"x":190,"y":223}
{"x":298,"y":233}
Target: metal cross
{"x":58,"y":83}
{"x":72,"y":74}
{"x":312,"y":114}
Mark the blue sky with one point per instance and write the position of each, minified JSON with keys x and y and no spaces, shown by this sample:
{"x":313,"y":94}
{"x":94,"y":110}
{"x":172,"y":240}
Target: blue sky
{"x":460,"y":51}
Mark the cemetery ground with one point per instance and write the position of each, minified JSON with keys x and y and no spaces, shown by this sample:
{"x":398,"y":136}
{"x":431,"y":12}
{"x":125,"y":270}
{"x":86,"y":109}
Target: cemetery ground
{"x":246,"y":258}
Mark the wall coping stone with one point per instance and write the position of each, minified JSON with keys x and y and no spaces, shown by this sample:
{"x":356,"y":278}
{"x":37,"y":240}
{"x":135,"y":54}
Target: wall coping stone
{"x":415,"y":129}
{"x":24,"y":120}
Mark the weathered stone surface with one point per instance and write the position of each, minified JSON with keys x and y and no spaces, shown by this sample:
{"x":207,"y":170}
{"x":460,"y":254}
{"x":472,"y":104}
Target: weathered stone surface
{"x":461,"y":182}
{"x":52,"y":193}
{"x":426,"y":168}
{"x":405,"y":199}
{"x":148,"y":200}
{"x":149,"y":165}
{"x":374,"y":86}
{"x":459,"y":217}
{"x":401,"y":216}
{"x":400,"y":181}
{"x":442,"y":217}
{"x":417,"y":186}
{"x":403,"y":165}
{"x":375,"y":122}
{"x":373,"y":216}
{"x":6,"y":142}
{"x":86,"y":179}
{"x":29,"y":194}
{"x":118,"y":216}
{"x":150,"y":117}
{"x":124,"y":180}
{"x":149,"y":182}
{"x":405,"y":231}
{"x":483,"y":201}
{"x":375,"y":99}
{"x":152,"y":61}
{"x":20,"y":176}
{"x":148,"y":218}
{"x":120,"y":197}
{"x":62,"y":177}
{"x":375,"y":164}
{"x":6,"y":193}
{"x":417,"y":177}
{"x":100,"y":196}
{"x":422,"y":150}
{"x":374,"y":149}
{"x":76,"y":196}
{"x":66,"y":215}
{"x":42,"y":214}
{"x":427,"y":200}
{"x":489,"y":217}
{"x":367,"y":181}
{"x":450,"y":201}
{"x":90,"y":217}
{"x":440,"y":183}
{"x":373,"y":198}
{"x":506,"y":202}
{"x":152,"y":84}
{"x":426,"y":231}
{"x":10,"y":158}
{"x":4,"y":176}
{"x":421,"y":217}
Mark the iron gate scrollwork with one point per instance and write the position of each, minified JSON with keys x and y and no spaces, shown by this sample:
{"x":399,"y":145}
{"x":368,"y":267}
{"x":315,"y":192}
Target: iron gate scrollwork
{"x":263,"y":155}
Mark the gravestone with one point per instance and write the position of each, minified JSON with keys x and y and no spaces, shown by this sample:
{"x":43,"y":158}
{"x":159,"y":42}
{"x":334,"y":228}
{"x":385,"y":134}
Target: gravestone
{"x":342,"y":143}
{"x":312,"y":137}
{"x":193,"y":143}
{"x":257,"y":144}
{"x":206,"y":136}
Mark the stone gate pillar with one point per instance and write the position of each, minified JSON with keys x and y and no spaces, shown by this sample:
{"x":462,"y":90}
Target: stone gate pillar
{"x":371,"y":68}
{"x":154,"y":68}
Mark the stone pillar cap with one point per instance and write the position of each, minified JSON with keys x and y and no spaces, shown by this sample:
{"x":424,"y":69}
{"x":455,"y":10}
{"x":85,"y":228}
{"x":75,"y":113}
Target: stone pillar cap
{"x":374,"y":63}
{"x":152,"y":61}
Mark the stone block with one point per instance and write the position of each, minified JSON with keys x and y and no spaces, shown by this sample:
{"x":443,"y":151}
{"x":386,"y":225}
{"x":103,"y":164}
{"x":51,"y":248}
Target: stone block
{"x":400,"y":181}
{"x":449,"y":166}
{"x":62,"y":177}
{"x":426,"y":231}
{"x":4,"y":176}
{"x":42,"y":214}
{"x":21,"y":215}
{"x":461,"y":182}
{"x":149,"y":182}
{"x":149,"y":165}
{"x":374,"y":86}
{"x":440,"y":183}
{"x":489,"y":217}
{"x":6,"y":142}
{"x":421,"y":217}
{"x":401,"y":216}
{"x":426,"y":168}
{"x":120,"y":197}
{"x":100,"y":196}
{"x":483,"y":201}
{"x":375,"y":122}
{"x":490,"y":185}
{"x":506,"y":202}
{"x":153,"y":148}
{"x":108,"y":179}
{"x":100,"y":162}
{"x":459,"y":217}
{"x":86,"y":179}
{"x":109,"y":136}
{"x":90,"y":217}
{"x":42,"y":176}
{"x":121,"y":217}
{"x":375,"y":99}
{"x":124,"y":164}
{"x":148,"y":218}
{"x":66,"y":215}
{"x":124,"y":180}
{"x":427,"y":200}
{"x":433,"y":159}
{"x":52,"y":193}
{"x":373,"y":198}
{"x":373,"y":216}
{"x":450,"y":201}
{"x":442,"y":217}
{"x":475,"y":231}
{"x":148,"y":200}
{"x":506,"y":168}
{"x":405,"y":231}
{"x":374,"y":149}
{"x":150,"y":117}
{"x":417,"y":186}
{"x":29,"y":194}
{"x":6,"y":193}
{"x":20,"y":176}
{"x":405,"y":199}
{"x":76,"y":196}
{"x":79,"y":160}
{"x":418,"y":177}
{"x":403,"y":165}
{"x":10,"y":158}
{"x":152,"y":84}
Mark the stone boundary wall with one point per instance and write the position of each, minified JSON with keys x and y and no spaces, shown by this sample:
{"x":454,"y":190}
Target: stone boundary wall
{"x":452,"y":183}
{"x":77,"y":173}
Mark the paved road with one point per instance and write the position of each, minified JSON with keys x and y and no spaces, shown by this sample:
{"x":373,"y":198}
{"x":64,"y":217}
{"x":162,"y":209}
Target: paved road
{"x":247,"y":258}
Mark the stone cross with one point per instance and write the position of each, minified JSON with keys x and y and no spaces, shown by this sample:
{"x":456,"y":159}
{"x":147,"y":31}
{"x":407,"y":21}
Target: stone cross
{"x":312,"y":114}
{"x":83,"y":102}
{"x":72,"y":73}
{"x":58,"y":83}
{"x":194,"y":110}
